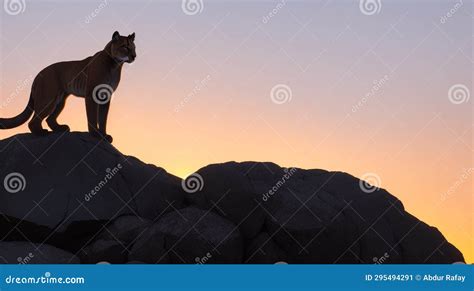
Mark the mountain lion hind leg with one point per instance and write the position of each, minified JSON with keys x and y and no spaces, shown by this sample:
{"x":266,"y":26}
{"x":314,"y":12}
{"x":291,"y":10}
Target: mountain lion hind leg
{"x":52,"y":119}
{"x":44,"y":104}
{"x":35,"y":125}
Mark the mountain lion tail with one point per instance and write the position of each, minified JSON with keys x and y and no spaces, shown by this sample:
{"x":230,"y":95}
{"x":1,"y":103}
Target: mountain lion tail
{"x":7,"y":123}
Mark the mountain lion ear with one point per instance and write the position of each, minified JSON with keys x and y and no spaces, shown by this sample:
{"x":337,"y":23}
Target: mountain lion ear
{"x":132,"y":36}
{"x":116,"y":35}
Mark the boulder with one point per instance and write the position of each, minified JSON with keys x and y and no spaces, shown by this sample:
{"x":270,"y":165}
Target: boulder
{"x":192,"y":235}
{"x":111,"y":251}
{"x":125,"y":229}
{"x":71,"y":192}
{"x":20,"y":252}
{"x":263,"y":250}
{"x":150,"y":248}
{"x":66,"y":177}
{"x":316,"y":216}
{"x":227,"y":191}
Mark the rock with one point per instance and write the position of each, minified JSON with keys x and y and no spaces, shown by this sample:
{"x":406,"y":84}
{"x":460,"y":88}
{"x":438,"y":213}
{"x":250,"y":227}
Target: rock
{"x":228,"y":192}
{"x":114,"y":241}
{"x":78,"y":235}
{"x":67,"y":177}
{"x":76,"y":194}
{"x":316,"y":216}
{"x":263,"y":250}
{"x":126,"y":229}
{"x":150,"y":248}
{"x":192,"y":235}
{"x":14,"y":229}
{"x":28,"y":253}
{"x":111,"y":251}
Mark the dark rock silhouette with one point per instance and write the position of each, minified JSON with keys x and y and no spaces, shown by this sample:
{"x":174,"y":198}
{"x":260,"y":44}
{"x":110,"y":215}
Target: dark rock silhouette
{"x":64,"y":171}
{"x":83,"y":196}
{"x":20,"y":252}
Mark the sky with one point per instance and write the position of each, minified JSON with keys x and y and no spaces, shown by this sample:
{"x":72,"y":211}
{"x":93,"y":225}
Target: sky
{"x":383,"y":94}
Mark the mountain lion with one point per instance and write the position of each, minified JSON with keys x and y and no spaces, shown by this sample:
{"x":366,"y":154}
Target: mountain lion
{"x":94,"y":78}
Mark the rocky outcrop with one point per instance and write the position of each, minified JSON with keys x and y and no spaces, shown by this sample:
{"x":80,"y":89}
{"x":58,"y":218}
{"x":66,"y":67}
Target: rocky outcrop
{"x":74,"y":177}
{"x":19,"y":252}
{"x":77,"y":194}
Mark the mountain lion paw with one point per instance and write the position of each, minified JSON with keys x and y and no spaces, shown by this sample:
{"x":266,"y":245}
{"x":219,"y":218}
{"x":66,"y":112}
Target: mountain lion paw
{"x":41,"y":132}
{"x":109,"y":138}
{"x":62,"y":128}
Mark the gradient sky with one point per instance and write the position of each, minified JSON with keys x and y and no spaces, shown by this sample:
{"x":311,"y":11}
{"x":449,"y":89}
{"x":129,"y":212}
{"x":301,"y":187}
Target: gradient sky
{"x":200,"y":89}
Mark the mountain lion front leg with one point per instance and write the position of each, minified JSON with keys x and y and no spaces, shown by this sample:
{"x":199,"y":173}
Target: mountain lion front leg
{"x":52,"y":119}
{"x":103,"y":113}
{"x":92,"y":112}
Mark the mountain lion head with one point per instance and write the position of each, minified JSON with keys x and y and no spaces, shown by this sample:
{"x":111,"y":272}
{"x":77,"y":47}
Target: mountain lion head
{"x":123,"y":47}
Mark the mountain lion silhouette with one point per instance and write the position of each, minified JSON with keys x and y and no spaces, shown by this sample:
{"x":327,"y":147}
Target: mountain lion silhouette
{"x":94,"y":78}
